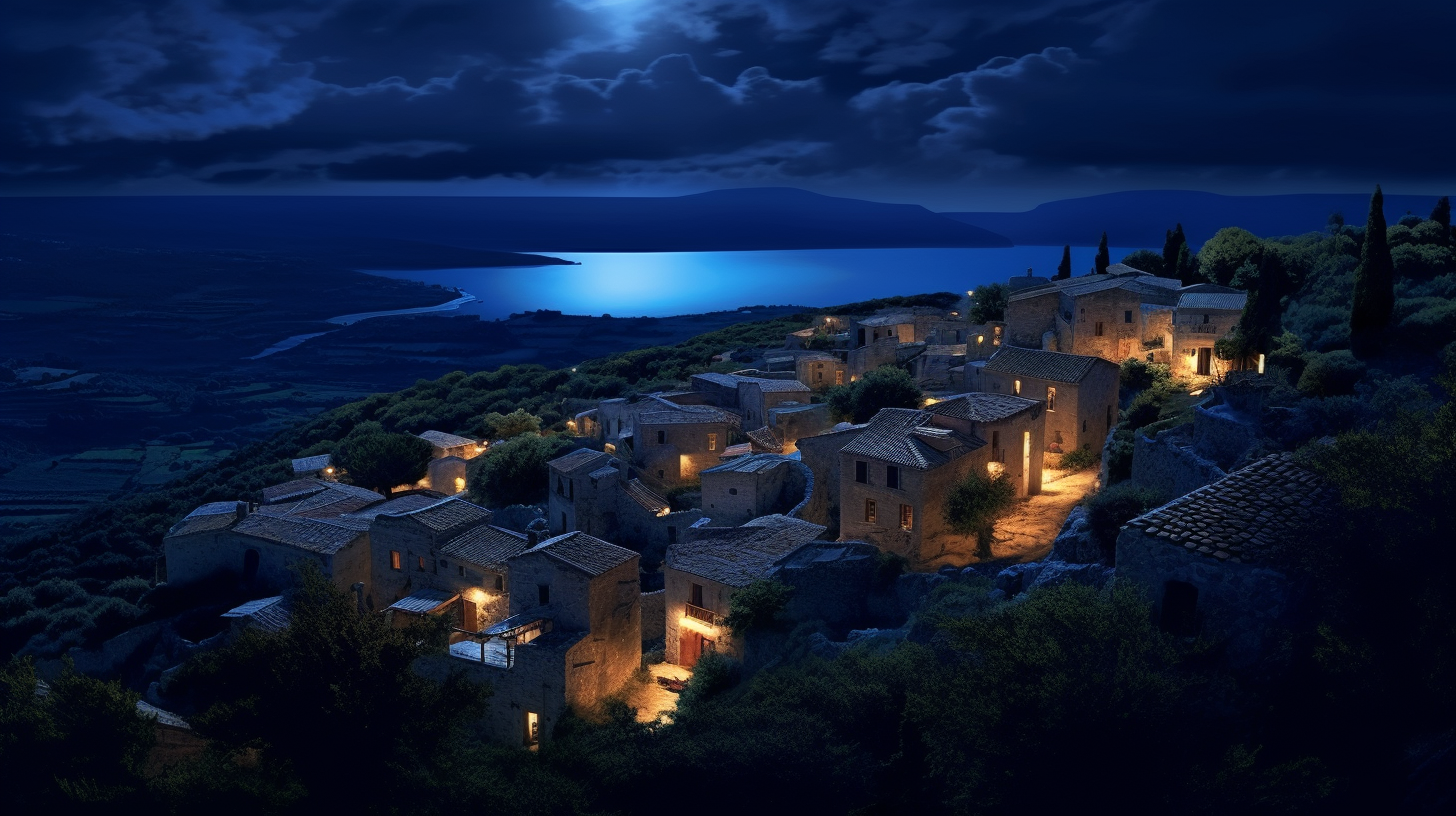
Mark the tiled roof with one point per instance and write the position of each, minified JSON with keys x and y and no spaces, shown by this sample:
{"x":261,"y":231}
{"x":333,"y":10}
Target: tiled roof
{"x":904,"y":436}
{"x":199,"y":521}
{"x":448,"y":513}
{"x":223,"y":508}
{"x":486,"y":546}
{"x":403,"y":504}
{"x":313,"y":535}
{"x":724,"y":380}
{"x":712,"y":415}
{"x":586,"y":553}
{"x":1140,"y":283}
{"x":1212,"y":300}
{"x":603,"y":472}
{"x":749,"y":464}
{"x":1244,"y":516}
{"x":982,"y":407}
{"x":424,"y":601}
{"x":764,"y":438}
{"x":643,"y":495}
{"x":310,"y":464}
{"x":741,"y":449}
{"x":440,"y":439}
{"x":1044,"y":365}
{"x":583,"y":460}
{"x":736,"y":556}
{"x":269,"y":614}
{"x":888,"y":320}
{"x":328,"y":503}
{"x":1120,"y":269}
{"x":775,"y":386}
{"x":292,"y":491}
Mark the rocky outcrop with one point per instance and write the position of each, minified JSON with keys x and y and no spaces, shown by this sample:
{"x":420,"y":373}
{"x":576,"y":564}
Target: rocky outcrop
{"x":1075,"y":544}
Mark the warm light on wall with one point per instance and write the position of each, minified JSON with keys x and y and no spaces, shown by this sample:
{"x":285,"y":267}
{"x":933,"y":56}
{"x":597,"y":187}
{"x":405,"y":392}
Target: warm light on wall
{"x":475,"y":595}
{"x":459,"y":484}
{"x":697,"y":626}
{"x":995,"y":468}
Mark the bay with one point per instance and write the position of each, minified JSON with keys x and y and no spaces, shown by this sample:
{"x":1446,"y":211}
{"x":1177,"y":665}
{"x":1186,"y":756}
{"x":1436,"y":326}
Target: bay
{"x":658,"y":284}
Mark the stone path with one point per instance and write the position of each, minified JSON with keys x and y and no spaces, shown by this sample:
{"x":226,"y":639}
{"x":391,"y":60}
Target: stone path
{"x":653,"y":702}
{"x":1025,"y":534}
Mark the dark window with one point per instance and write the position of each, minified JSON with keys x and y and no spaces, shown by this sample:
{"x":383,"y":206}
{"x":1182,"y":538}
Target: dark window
{"x":1084,"y":426}
{"x":733,"y":491}
{"x":660,"y":475}
{"x":869,"y":511}
{"x":500,"y":582}
{"x":1180,"y":609}
{"x":661,"y":437}
{"x":250,"y":565}
{"x":860,"y":338}
{"x":697,"y":595}
{"x":1205,"y":318}
{"x":892,"y":477}
{"x":543,"y":594}
{"x":563,"y":522}
{"x":862,"y":472}
{"x":1127,"y":316}
{"x":461,"y":568}
{"x":1097,"y":330}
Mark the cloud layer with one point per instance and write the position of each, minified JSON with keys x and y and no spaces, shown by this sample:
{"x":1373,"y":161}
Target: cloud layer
{"x":852,"y":96}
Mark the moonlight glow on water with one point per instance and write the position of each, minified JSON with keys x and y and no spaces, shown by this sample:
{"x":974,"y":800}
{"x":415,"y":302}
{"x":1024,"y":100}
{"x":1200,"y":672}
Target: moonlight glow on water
{"x":631,"y":284}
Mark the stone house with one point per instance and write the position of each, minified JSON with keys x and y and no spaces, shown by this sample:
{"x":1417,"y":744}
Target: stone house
{"x":671,"y":447}
{"x":574,"y":499}
{"x":1210,"y":559}
{"x":895,"y":475}
{"x":1080,"y":392}
{"x":573,"y":638}
{"x":593,"y":492}
{"x":1116,"y":315}
{"x":790,"y":422}
{"x":314,"y":467}
{"x":932,"y":367}
{"x":760,"y":484}
{"x":757,"y":397}
{"x":301,"y":520}
{"x":448,"y":455}
{"x":1204,"y":315}
{"x":876,"y":341}
{"x":706,"y":568}
{"x":408,"y":536}
{"x":820,"y":370}
{"x":984,"y":339}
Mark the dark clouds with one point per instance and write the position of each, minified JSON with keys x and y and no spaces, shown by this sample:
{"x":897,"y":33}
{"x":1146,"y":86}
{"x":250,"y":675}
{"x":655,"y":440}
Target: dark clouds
{"x":927,"y":98}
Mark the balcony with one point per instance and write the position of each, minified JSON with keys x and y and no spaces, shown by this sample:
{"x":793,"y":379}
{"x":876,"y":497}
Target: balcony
{"x":1197,"y":328}
{"x":706,"y":616}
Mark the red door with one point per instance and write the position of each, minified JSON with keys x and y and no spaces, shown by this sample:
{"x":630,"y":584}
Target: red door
{"x":690,"y":647}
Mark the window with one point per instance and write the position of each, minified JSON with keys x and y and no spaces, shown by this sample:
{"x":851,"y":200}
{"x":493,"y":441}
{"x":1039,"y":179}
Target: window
{"x":696,"y":595}
{"x":500,"y":582}
{"x":862,"y":472}
{"x":995,"y":446}
{"x":818,"y":376}
{"x":1097,"y":329}
{"x":661,"y":437}
{"x":1051,"y":398}
{"x":712,"y":441}
{"x":660,"y":474}
{"x":892,"y":477}
{"x":533,"y":729}
{"x":1016,"y":388}
{"x":996,"y":340}
{"x":420,"y":564}
{"x":869,"y":511}
{"x":564,"y":528}
{"x":839,"y":378}
{"x":960,"y":336}
{"x":394,"y":559}
{"x":1127,"y":316}
{"x":250,"y":564}
{"x":1084,"y":426}
{"x":461,"y":569}
{"x":907,"y":517}
{"x":543,"y":594}
{"x":733,"y":491}
{"x":1205,"y":318}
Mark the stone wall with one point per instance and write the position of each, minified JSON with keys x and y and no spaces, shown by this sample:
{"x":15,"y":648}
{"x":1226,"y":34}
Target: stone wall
{"x":821,"y":455}
{"x":924,"y":491}
{"x":192,"y":557}
{"x":1169,"y":463}
{"x":1224,"y":435}
{"x":686,"y":450}
{"x":831,"y":581}
{"x":1027,"y":319}
{"x":536,"y":683}
{"x":791,"y":424}
{"x":654,"y":615}
{"x":1237,"y":603}
{"x":716,"y":598}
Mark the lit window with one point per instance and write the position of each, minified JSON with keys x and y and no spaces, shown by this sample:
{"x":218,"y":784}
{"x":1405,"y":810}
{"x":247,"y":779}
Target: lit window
{"x":862,"y":472}
{"x":839,"y":378}
{"x":892,"y":477}
{"x":712,"y":441}
{"x":1051,"y":398}
{"x":394,"y":559}
{"x":869,"y":511}
{"x":1016,"y":388}
{"x":907,"y":517}
{"x":420,"y":563}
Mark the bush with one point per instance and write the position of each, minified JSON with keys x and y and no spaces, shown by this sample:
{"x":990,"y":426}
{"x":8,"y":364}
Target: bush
{"x":1145,"y":409}
{"x":517,"y":422}
{"x":129,"y":589}
{"x":758,"y":606}
{"x":514,"y":471}
{"x":1112,"y":507}
{"x":713,"y":674}
{"x":1080,"y":459}
{"x":885,"y":387}
{"x":1136,"y":375}
{"x":975,"y":502}
{"x":379,"y":460}
{"x":1332,"y":374}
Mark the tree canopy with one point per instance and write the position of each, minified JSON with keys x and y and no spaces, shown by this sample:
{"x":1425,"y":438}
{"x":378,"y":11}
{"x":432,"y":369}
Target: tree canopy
{"x":1103,"y":259}
{"x":1144,"y":260}
{"x":884,"y":387}
{"x":514,"y":471}
{"x":975,"y":503}
{"x":1223,"y":254}
{"x":379,"y":460}
{"x":989,"y":303}
{"x":517,"y":422}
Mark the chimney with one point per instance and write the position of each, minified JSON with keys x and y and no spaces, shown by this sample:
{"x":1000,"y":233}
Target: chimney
{"x":241,"y":510}
{"x":532,"y":538}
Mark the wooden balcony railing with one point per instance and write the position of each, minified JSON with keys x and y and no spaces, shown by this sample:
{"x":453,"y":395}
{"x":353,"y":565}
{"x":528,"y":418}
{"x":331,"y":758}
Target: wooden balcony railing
{"x":704,"y":615}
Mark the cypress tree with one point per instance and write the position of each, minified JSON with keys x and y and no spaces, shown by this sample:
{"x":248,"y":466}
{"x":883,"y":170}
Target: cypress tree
{"x":1442,"y":215}
{"x":1064,"y":269}
{"x":1185,"y":268}
{"x":1104,"y":260}
{"x":1171,"y":245}
{"x":1374,"y":279}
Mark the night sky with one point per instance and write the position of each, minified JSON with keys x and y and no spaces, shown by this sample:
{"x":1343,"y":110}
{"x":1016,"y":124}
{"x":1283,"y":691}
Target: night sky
{"x":947,"y":103}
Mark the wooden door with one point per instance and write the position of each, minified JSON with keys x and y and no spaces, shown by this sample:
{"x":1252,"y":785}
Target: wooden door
{"x":1205,"y":361}
{"x":690,"y":648}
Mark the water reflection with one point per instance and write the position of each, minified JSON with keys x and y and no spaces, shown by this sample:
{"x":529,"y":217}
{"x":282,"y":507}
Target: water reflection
{"x":630,"y":284}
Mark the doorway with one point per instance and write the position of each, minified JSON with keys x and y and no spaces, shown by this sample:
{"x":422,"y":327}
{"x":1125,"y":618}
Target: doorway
{"x":1205,"y":361}
{"x":1180,"y":609}
{"x":692,"y":646}
{"x":1026,"y":463}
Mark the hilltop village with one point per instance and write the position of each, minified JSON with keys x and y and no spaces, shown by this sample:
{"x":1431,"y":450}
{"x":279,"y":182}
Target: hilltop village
{"x":676,"y":513}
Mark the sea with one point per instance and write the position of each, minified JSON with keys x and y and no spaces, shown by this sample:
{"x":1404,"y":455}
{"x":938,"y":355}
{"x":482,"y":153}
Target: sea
{"x":658,"y":284}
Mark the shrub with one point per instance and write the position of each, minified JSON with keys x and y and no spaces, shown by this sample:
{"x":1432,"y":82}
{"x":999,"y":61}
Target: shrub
{"x":1145,"y":409}
{"x":885,"y":387}
{"x":379,"y":460}
{"x":514,"y":471}
{"x":1112,"y":507}
{"x":129,"y":589}
{"x":1081,"y":459}
{"x":758,"y":606}
{"x":713,"y":674}
{"x":517,"y":422}
{"x":1332,"y":374}
{"x":975,"y":502}
{"x":59,"y":592}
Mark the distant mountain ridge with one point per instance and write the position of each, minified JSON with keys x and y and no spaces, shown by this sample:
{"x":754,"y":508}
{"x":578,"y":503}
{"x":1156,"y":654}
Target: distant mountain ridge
{"x":1139,"y":218}
{"x":740,"y":219}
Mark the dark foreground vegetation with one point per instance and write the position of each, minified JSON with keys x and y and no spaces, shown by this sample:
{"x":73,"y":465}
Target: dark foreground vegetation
{"x":1064,"y":700}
